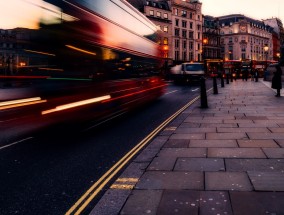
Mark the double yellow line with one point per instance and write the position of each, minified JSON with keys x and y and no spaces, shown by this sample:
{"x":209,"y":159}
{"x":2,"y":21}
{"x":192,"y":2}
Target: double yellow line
{"x":91,"y":193}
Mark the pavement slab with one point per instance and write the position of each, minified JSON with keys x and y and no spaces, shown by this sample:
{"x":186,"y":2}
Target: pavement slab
{"x":222,"y":181}
{"x":236,"y":153}
{"x":257,"y":143}
{"x":199,"y":164}
{"x":157,"y":180}
{"x":267,"y":181}
{"x":250,"y":203}
{"x":243,"y":165}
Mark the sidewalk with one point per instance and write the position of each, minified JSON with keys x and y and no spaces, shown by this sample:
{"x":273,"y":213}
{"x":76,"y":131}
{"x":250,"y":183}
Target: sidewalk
{"x":226,"y":159}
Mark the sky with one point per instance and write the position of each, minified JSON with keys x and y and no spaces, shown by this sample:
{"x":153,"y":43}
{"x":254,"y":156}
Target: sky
{"x":256,"y":9}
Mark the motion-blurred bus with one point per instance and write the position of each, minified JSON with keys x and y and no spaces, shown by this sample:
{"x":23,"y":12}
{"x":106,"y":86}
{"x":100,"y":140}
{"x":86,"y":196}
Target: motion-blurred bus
{"x":84,"y":59}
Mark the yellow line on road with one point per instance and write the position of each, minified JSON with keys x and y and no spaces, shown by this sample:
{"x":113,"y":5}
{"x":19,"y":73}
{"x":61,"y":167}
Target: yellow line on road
{"x":91,"y":193}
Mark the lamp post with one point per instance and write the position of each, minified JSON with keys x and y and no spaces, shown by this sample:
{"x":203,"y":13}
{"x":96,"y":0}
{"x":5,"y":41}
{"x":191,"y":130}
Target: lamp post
{"x":265,"y":48}
{"x":278,"y":56}
{"x":204,"y":43}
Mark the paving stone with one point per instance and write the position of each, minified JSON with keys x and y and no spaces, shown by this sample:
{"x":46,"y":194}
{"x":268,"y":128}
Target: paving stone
{"x":194,"y":130}
{"x":190,"y":136}
{"x":218,"y":125}
{"x":162,"y":163}
{"x":280,"y":142}
{"x":189,"y":125}
{"x":232,"y":130}
{"x":236,"y":153}
{"x":274,"y":152}
{"x":238,"y":121}
{"x":179,"y":202}
{"x":142,"y":202}
{"x":112,"y":202}
{"x":253,"y":117}
{"x":171,"y":180}
{"x":177,"y":144}
{"x":277,"y":130}
{"x":267,"y":181}
{"x":243,"y":165}
{"x":258,"y":125}
{"x":238,"y":181}
{"x":213,"y":143}
{"x":215,"y":202}
{"x":199,"y":164}
{"x":194,"y":202}
{"x":257,"y":143}
{"x":250,"y":203}
{"x":225,"y":136}
{"x":203,"y":120}
{"x":182,"y":152}
{"x":266,"y":136}
{"x":147,"y":155}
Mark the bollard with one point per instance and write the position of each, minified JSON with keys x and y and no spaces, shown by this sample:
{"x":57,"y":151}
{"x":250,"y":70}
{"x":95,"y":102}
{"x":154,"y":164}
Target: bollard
{"x":222,"y":80}
{"x":203,"y":95}
{"x":215,"y":89}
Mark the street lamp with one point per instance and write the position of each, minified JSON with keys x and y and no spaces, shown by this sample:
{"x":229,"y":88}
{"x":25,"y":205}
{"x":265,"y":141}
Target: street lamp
{"x":205,"y":42}
{"x":265,"y":48}
{"x":278,"y":55}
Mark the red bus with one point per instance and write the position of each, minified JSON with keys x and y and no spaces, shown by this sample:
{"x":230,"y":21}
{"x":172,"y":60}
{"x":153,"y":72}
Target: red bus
{"x":233,"y":67}
{"x":256,"y":65}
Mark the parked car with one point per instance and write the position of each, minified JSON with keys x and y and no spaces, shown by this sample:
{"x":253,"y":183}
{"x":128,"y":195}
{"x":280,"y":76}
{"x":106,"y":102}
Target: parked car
{"x":187,"y":72}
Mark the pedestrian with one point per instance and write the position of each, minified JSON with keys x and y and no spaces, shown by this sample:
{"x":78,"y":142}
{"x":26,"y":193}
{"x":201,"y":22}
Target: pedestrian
{"x":276,"y":80}
{"x":256,"y":75}
{"x":252,"y":74}
{"x":245,"y":74}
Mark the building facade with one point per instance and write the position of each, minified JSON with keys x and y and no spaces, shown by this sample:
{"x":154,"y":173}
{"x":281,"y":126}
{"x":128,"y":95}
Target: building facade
{"x":211,"y":38}
{"x":245,"y":38}
{"x":278,"y":37}
{"x":186,"y":30}
{"x":181,"y":24}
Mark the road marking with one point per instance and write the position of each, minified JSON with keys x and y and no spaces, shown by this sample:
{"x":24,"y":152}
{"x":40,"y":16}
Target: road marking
{"x":3,"y":147}
{"x":91,"y":193}
{"x":171,"y":92}
{"x":195,"y":89}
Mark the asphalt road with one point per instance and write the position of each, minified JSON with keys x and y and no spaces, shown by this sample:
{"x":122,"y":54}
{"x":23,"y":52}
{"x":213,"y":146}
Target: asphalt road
{"x":47,"y":173}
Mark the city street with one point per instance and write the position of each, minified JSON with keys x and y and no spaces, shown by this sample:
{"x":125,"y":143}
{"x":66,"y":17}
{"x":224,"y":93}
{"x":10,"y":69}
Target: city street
{"x":47,"y":173}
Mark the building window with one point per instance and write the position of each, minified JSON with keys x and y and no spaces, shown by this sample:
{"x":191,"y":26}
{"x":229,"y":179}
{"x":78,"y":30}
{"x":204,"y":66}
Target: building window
{"x":151,"y":12}
{"x":166,"y":16}
{"x":198,"y":35}
{"x":190,"y":35}
{"x":175,"y":11}
{"x":183,"y":13}
{"x":190,"y":15}
{"x":230,"y":39}
{"x":191,"y":45}
{"x":184,"y":44}
{"x":190,"y":25}
{"x":159,"y":26}
{"x":176,"y":43}
{"x":184,"y":33}
{"x":183,"y":23}
{"x":166,"y":41}
{"x":158,"y":14}
{"x":176,"y":55}
{"x":184,"y":56}
{"x":176,"y":32}
{"x":243,"y":55}
{"x":198,"y":27}
{"x":177,"y":22}
{"x":166,"y":29}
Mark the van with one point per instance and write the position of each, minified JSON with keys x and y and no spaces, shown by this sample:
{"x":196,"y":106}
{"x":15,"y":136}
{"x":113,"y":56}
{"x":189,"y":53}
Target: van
{"x":269,"y":72}
{"x":188,"y":72}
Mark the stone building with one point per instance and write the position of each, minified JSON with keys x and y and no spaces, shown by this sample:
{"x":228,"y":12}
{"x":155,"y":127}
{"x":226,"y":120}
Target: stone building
{"x":181,"y":24}
{"x":245,"y":38}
